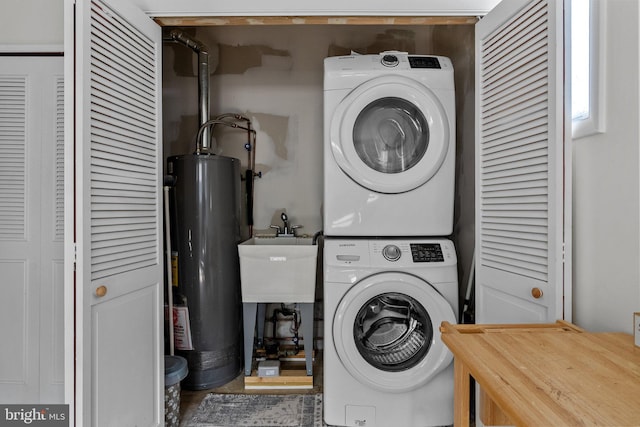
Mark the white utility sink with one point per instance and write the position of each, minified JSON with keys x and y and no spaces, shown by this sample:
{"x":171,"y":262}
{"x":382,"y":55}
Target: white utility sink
{"x":278,"y":269}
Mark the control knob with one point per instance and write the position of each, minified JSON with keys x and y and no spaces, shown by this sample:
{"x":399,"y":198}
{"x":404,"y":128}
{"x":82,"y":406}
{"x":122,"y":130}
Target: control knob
{"x":391,"y":252}
{"x":390,"y":60}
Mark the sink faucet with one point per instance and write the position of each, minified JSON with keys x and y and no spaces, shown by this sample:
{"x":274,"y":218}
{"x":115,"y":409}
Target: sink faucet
{"x":285,"y":231}
{"x":285,"y":221}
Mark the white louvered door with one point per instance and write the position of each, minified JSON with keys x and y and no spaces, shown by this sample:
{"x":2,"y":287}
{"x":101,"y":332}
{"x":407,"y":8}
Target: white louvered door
{"x":520,"y":142}
{"x":31,"y":237}
{"x":119,"y":360}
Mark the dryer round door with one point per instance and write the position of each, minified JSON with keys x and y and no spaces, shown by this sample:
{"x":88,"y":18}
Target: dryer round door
{"x":386,"y":331}
{"x":390,"y":134}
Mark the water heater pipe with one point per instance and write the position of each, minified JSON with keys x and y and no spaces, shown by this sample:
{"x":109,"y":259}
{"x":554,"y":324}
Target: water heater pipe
{"x":250,"y":146}
{"x":203,"y":82}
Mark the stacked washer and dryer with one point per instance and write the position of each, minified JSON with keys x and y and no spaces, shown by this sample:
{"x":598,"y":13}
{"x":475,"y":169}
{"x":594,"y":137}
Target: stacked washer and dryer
{"x":390,"y":273}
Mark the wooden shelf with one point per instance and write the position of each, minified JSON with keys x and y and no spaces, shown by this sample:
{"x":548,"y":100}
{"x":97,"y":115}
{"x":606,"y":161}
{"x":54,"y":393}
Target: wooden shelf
{"x":288,"y":379}
{"x":208,"y":21}
{"x":298,"y":357}
{"x":293,"y":374}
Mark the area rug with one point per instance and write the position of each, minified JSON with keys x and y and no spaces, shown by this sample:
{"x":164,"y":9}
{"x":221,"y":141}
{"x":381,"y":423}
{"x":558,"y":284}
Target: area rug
{"x":258,"y":410}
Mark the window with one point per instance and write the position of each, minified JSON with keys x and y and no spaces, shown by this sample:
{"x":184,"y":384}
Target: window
{"x":586,"y":60}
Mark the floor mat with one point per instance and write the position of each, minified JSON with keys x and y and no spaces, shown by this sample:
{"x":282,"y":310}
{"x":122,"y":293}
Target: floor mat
{"x":258,"y":410}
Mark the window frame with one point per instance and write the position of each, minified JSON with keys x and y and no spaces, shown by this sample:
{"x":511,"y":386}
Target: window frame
{"x":595,"y":122}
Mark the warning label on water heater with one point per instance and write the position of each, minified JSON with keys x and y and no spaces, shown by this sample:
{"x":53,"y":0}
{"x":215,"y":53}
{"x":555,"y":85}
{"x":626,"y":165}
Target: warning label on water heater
{"x":181,"y":328}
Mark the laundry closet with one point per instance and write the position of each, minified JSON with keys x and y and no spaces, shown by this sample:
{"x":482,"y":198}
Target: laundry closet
{"x":270,"y":69}
{"x":268,"y":64}
{"x":273,"y":74}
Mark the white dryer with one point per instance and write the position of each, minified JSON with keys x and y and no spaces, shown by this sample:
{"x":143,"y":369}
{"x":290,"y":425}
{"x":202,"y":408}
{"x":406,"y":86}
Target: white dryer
{"x":384,"y":362}
{"x":389,"y":149}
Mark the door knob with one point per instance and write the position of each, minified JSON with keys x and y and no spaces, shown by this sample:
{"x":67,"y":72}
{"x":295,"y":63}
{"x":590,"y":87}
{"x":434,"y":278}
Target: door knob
{"x":101,"y":291}
{"x":536,"y":293}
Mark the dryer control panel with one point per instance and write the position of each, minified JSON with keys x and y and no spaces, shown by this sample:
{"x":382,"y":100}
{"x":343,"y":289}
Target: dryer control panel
{"x":424,"y":62}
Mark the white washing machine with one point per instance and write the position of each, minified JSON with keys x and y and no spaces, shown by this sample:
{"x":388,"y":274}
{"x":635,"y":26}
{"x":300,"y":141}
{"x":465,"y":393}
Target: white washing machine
{"x":384,"y":362}
{"x":389,"y":149}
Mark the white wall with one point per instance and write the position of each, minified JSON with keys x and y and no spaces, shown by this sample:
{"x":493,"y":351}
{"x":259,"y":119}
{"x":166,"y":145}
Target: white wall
{"x":31,"y":22}
{"x":607,"y":188}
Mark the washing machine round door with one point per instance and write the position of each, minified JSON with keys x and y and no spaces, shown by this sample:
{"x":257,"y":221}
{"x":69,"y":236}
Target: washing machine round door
{"x":386,"y":331}
{"x":390,"y":134}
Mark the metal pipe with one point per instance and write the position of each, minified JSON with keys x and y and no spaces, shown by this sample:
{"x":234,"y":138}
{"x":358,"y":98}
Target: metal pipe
{"x":167,"y":232}
{"x":203,"y":83}
{"x":211,"y":123}
{"x":250,"y":146}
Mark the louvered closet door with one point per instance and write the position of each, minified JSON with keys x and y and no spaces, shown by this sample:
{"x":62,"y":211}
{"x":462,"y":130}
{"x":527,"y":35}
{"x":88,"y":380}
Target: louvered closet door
{"x":119,"y":375}
{"x":519,"y":163}
{"x":31,"y":252}
{"x":52,"y":239}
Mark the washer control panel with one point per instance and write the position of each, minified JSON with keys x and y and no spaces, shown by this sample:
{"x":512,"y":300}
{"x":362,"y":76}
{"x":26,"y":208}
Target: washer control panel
{"x":348,"y":260}
{"x":420,"y":252}
{"x":412,"y":252}
{"x":426,"y":252}
{"x":400,"y":253}
{"x":391,"y":253}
